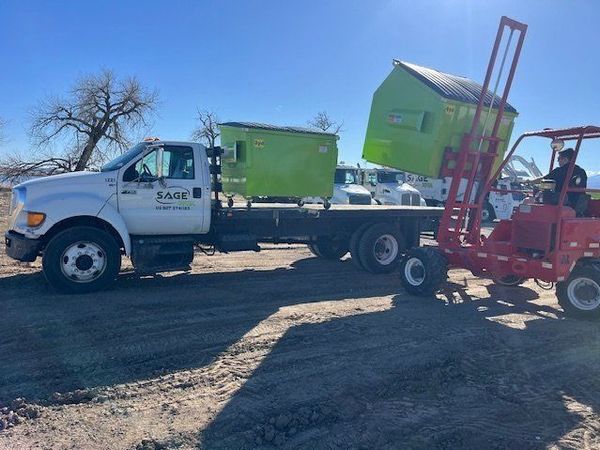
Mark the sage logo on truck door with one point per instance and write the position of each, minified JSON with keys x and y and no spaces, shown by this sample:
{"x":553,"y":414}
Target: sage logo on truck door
{"x":174,"y":197}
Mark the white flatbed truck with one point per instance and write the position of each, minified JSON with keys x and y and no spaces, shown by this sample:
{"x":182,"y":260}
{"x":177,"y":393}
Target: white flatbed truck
{"x":158,"y":202}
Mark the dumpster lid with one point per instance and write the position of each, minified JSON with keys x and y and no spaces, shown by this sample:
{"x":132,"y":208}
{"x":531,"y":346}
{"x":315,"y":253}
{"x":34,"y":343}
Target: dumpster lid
{"x":285,"y":129}
{"x":452,"y":87}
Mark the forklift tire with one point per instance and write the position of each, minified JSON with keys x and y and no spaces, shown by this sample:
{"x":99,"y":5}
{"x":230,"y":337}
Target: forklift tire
{"x":328,"y":248}
{"x":81,"y":259}
{"x":422,"y":271}
{"x":380,"y":248}
{"x":510,"y":280}
{"x":354,"y":240}
{"x":579,"y":295}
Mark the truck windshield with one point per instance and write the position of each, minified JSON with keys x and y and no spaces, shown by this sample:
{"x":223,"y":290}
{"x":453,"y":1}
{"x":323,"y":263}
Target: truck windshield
{"x":123,"y":159}
{"x":389,"y":177}
{"x":346,"y":176}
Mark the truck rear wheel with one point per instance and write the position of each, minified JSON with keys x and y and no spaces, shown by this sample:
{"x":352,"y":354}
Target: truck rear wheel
{"x":354,"y":240}
{"x":487,"y":213}
{"x":579,"y":295}
{"x":422,"y":271}
{"x":380,"y":248}
{"x":81,"y":259}
{"x":313,"y":250}
{"x":329,"y":248}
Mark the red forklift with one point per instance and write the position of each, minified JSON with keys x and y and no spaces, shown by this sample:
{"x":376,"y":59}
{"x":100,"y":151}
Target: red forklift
{"x":548,"y":238}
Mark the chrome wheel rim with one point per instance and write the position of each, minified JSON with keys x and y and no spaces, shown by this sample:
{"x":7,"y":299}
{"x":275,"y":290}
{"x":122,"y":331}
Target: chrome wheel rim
{"x":584,"y":294}
{"x":83,"y":262}
{"x":414,"y":271}
{"x":385,"y":249}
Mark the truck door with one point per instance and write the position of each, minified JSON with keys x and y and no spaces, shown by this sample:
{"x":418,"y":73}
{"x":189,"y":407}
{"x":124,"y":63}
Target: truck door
{"x":165,"y":192}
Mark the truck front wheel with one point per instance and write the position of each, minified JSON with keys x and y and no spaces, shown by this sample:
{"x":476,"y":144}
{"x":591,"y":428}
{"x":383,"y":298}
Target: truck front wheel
{"x":579,"y":295}
{"x":81,"y":259}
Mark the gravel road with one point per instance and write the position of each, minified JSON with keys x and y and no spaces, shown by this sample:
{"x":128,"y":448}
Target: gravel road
{"x":281,"y":349}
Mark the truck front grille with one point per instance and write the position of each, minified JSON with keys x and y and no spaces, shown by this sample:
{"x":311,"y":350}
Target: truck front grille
{"x":359,"y":199}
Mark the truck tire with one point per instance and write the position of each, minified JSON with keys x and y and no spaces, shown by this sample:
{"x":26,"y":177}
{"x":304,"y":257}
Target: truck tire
{"x":579,"y":295}
{"x":380,"y":248}
{"x":330,"y":248}
{"x":81,"y":259}
{"x":422,"y":271}
{"x":354,"y":240}
{"x":313,"y":250}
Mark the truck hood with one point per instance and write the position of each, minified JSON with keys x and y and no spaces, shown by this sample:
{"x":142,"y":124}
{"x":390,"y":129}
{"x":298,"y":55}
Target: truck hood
{"x":97,"y":184}
{"x":352,"y":189}
{"x":80,"y":178}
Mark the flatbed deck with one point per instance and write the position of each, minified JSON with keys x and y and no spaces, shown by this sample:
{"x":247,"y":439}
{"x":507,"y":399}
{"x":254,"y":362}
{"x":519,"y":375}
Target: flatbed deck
{"x":273,"y":210}
{"x":286,"y":223}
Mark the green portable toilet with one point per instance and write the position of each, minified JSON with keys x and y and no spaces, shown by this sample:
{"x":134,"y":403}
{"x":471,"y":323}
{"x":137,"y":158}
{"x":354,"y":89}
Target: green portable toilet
{"x":418,"y":114}
{"x":263,"y":160}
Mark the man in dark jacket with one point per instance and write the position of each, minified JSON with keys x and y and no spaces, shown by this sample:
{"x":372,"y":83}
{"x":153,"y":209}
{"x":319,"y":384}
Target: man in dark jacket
{"x":559,"y":175}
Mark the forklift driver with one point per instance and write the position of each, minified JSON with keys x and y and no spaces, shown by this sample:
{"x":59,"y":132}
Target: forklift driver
{"x":559,"y":174}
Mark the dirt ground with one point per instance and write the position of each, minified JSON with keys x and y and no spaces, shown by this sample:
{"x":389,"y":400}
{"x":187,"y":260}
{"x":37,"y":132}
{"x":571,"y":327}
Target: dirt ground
{"x":281,"y":349}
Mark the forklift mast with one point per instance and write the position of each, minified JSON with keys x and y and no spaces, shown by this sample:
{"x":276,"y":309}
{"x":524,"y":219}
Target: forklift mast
{"x":461,"y":221}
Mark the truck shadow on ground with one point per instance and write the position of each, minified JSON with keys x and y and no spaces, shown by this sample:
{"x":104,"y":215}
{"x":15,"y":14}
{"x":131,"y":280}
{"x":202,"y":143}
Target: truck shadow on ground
{"x":454,"y":372}
{"x":143,"y":328}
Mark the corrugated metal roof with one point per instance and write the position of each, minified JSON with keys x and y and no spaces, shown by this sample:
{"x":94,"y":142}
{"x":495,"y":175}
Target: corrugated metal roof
{"x":451,"y":86}
{"x":265,"y":126}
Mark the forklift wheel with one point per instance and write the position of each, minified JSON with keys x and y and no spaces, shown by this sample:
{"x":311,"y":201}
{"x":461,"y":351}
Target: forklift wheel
{"x":422,"y":271}
{"x":510,"y":280}
{"x":579,"y":295}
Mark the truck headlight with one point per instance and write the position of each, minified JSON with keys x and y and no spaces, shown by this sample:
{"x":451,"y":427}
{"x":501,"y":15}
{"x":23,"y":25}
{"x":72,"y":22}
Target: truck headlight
{"x":35,"y":219}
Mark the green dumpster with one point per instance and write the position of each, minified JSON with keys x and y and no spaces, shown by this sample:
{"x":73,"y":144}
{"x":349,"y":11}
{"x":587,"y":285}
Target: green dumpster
{"x":263,"y":160}
{"x":417,"y":113}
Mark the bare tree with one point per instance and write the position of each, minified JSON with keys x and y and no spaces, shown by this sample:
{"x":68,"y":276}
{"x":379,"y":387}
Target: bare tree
{"x":207,"y":130}
{"x":323,"y":122}
{"x":95,"y":120}
{"x":14,"y":167}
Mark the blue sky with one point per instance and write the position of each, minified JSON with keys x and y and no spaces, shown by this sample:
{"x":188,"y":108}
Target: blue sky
{"x":281,"y":61}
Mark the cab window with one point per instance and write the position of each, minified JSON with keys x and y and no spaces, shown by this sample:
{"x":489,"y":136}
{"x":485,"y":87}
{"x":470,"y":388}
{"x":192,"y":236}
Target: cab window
{"x":177,"y":163}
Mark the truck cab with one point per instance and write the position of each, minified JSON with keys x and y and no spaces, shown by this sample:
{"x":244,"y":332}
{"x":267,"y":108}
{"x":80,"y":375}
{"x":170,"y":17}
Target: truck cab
{"x":83,"y":222}
{"x":388,"y":187}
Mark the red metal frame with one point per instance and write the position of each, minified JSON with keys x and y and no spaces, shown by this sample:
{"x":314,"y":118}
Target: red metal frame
{"x":540,"y":241}
{"x":461,"y":221}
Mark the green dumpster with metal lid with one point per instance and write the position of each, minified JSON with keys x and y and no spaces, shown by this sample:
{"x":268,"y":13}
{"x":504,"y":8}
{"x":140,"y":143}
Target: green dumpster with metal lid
{"x":420,"y":115}
{"x":262,"y":160}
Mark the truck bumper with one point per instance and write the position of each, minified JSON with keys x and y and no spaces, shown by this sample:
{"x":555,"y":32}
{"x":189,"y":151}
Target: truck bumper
{"x":21,"y":248}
